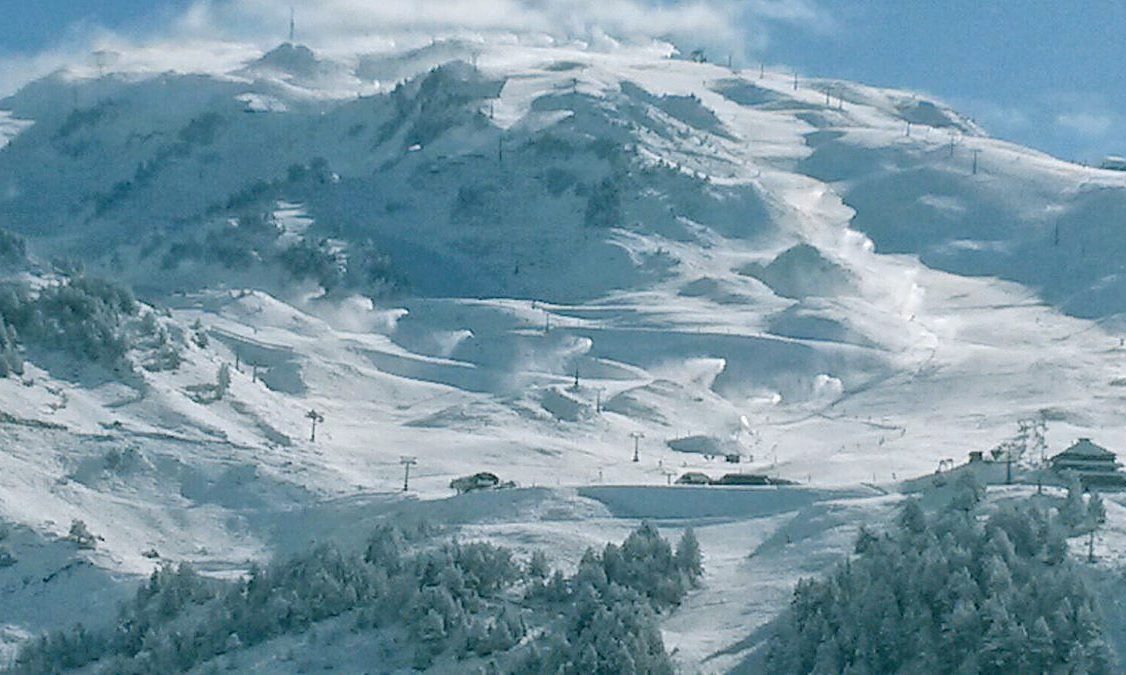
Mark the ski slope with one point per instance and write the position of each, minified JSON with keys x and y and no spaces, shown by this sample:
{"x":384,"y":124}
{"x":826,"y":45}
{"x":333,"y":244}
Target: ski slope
{"x":842,"y":288}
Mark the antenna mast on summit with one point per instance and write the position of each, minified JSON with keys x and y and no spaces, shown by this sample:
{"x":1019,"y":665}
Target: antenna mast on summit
{"x":292,"y":24}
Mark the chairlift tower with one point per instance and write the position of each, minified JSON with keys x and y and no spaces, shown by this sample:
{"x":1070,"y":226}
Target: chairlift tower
{"x":315,"y":417}
{"x":407,"y":463}
{"x":636,"y":436}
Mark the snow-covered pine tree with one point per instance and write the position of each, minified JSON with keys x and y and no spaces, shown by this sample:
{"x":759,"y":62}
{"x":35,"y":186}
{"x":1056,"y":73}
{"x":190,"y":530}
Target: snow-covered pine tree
{"x":688,"y":557}
{"x":81,"y":535}
{"x":1073,"y":512}
{"x":223,"y":381}
{"x":1096,"y":511}
{"x":10,"y":359}
{"x":911,"y":517}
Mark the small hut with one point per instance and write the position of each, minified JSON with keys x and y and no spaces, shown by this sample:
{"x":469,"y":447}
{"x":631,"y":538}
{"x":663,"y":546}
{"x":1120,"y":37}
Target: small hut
{"x":478,"y":481}
{"x":694,"y":478}
{"x":743,"y":479}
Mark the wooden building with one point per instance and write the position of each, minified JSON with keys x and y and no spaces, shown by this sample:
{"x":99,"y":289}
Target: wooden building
{"x":1092,"y":464}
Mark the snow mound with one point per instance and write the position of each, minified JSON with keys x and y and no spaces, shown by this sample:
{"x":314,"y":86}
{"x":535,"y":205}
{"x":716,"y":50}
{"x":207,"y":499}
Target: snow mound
{"x":802,"y":271}
{"x":706,"y":445}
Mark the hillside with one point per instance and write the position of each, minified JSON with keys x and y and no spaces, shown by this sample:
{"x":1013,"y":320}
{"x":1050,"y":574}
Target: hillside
{"x":510,"y":258}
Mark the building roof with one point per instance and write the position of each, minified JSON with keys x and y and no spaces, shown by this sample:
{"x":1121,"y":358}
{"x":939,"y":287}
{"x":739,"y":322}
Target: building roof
{"x":1085,"y":449}
{"x":743,"y":479}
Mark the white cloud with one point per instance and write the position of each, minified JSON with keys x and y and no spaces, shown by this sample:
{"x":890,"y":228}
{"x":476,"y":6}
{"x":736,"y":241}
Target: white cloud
{"x":805,"y":13}
{"x":15,"y":71}
{"x":217,"y":34}
{"x":321,"y":23}
{"x":1078,"y":126}
{"x":1089,"y":124}
{"x":1002,"y":119}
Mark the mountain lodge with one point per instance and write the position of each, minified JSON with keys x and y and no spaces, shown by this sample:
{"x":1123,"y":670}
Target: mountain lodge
{"x":1094,"y":465}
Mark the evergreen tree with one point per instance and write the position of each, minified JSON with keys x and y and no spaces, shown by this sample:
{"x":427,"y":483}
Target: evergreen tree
{"x":688,"y":558}
{"x":1073,"y":513}
{"x":865,"y":540}
{"x":946,"y":594}
{"x":452,"y":600}
{"x":13,"y":249}
{"x":538,"y":567}
{"x":10,"y":359}
{"x":1096,"y":511}
{"x":911,"y":517}
{"x":81,"y":535}
{"x":604,"y":205}
{"x":223,"y":381}
{"x":968,"y":492}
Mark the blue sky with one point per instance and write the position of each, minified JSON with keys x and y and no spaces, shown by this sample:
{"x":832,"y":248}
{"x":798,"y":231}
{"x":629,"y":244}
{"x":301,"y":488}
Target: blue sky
{"x":1040,"y":72}
{"x":45,"y":23}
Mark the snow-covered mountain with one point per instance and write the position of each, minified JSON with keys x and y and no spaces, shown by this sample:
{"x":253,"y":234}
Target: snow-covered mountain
{"x":526,"y":259}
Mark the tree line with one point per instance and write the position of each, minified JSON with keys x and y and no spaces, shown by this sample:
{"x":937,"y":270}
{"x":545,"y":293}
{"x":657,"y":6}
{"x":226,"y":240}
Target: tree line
{"x":966,"y":590}
{"x":474,"y":602}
